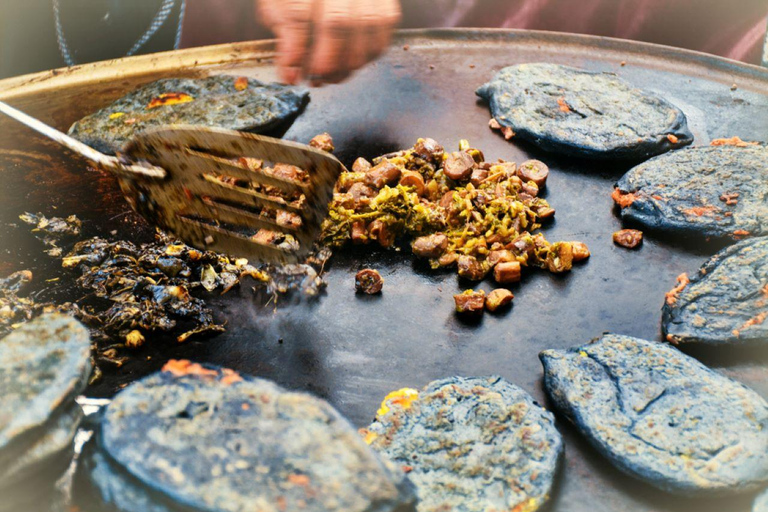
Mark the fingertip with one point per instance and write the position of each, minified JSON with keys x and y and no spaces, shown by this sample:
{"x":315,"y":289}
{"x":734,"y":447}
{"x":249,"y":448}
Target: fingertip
{"x":290,"y":74}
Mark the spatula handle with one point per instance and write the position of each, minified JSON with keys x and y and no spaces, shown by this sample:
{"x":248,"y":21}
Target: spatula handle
{"x":103,"y":161}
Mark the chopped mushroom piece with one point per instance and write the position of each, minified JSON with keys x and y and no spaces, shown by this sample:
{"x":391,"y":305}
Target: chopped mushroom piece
{"x":385,"y":173}
{"x":361,"y":165}
{"x":470,"y":302}
{"x":498,"y":298}
{"x":507,"y":272}
{"x":580,"y":251}
{"x":430,"y":246}
{"x":323,"y":142}
{"x":471,"y":269}
{"x":535,"y":171}
{"x":368,"y":281}
{"x":629,"y":238}
{"x":413,"y":179}
{"x":458,"y":165}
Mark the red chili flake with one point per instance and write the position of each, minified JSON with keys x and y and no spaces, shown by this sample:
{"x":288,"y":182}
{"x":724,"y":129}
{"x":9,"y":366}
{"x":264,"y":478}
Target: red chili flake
{"x":302,"y":480}
{"x":407,"y":469}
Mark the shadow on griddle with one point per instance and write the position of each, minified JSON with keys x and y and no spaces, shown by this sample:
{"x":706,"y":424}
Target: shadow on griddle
{"x":727,"y":355}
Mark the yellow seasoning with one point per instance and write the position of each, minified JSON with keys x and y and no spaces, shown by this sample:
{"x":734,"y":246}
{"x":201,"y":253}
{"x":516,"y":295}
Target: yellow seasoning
{"x":401,"y":398}
{"x":115,"y":115}
{"x":170,"y":98}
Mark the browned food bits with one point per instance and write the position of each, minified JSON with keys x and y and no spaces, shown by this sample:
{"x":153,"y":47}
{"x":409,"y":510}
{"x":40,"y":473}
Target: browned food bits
{"x":413,"y":179}
{"x":507,"y":272}
{"x":560,"y":257}
{"x":428,"y":149}
{"x":430,"y":246}
{"x":361,"y":165}
{"x":629,"y":238}
{"x":368,"y":281}
{"x":379,"y":230}
{"x":498,"y":298}
{"x":385,"y":173}
{"x":470,"y":268}
{"x":535,"y":171}
{"x":580,"y":251}
{"x":470,"y":302}
{"x":458,"y":166}
{"x":322,"y":142}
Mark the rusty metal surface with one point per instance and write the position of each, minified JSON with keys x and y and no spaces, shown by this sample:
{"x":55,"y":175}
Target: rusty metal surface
{"x":351,"y":349}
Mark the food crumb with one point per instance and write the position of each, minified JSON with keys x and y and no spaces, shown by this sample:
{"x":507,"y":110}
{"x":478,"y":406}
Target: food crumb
{"x":368,"y":281}
{"x":623,"y":63}
{"x":498,"y":298}
{"x":734,"y":87}
{"x":629,"y":238}
{"x":406,"y":47}
{"x":672,"y":138}
{"x":470,"y":302}
{"x":323,"y":142}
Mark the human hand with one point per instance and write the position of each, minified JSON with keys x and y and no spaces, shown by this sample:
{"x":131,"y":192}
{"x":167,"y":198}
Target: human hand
{"x":325,"y":40}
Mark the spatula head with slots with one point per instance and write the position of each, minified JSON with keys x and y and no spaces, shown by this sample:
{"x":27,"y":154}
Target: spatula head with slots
{"x":214,"y":198}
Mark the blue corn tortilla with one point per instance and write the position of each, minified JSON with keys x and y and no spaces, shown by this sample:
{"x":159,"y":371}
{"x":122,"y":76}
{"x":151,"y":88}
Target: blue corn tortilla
{"x":44,"y":365}
{"x":471,"y":444}
{"x":199,"y":437}
{"x":583,"y":113}
{"x":662,"y":416}
{"x":217,"y":101}
{"x":726,"y":302}
{"x":761,"y":502}
{"x":687,"y":192}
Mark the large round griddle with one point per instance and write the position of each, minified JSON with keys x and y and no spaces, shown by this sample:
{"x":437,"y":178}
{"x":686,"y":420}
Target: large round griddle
{"x":350,"y":349}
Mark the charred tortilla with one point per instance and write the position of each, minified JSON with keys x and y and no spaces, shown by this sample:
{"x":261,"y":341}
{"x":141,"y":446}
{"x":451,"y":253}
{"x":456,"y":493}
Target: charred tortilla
{"x":662,"y":416}
{"x":219,"y":101}
{"x":726,"y":302}
{"x":583,"y":113}
{"x":715,"y":191}
{"x":470,"y":444}
{"x":198,"y":437}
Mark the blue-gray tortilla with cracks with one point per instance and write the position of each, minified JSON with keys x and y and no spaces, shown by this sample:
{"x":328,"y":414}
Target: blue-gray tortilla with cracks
{"x":204,"y":438}
{"x":218,"y":101}
{"x":713,"y":191}
{"x":761,"y":502}
{"x":44,"y":365}
{"x":662,"y":416}
{"x":726,"y":302}
{"x":583,"y":113}
{"x":472,"y":445}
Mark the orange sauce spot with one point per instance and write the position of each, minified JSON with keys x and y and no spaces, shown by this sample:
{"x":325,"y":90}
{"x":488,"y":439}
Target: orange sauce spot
{"x":181,"y":367}
{"x":407,"y":469}
{"x":756,"y":320}
{"x":302,"y":480}
{"x":700,"y":210}
{"x":682,"y":282}
{"x":623,"y":199}
{"x":170,"y":98}
{"x":673,"y":139}
{"x":245,"y":406}
{"x":563,"y":105}
{"x":230,"y":377}
{"x":741,"y":232}
{"x":733,"y":141}
{"x":241,"y":83}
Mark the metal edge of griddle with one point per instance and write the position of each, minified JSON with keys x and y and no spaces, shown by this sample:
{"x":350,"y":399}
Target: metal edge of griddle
{"x":264,"y":50}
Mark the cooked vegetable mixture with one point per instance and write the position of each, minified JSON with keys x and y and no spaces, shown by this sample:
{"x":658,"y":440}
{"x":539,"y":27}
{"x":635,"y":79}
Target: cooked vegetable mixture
{"x":458,"y":209}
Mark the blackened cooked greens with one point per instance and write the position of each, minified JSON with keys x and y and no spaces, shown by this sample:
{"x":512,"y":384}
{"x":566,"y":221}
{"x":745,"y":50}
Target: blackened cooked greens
{"x":52,"y":231}
{"x":458,"y":209}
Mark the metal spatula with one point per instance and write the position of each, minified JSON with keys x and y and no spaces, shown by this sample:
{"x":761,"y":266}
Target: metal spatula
{"x":188,"y":181}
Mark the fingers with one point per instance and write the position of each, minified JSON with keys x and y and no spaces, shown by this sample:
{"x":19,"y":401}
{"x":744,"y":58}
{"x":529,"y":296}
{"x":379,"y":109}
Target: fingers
{"x":381,"y":32}
{"x":333,"y":33}
{"x":291,"y":21}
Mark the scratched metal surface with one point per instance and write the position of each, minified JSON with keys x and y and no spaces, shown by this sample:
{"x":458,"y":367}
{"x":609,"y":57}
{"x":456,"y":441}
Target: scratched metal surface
{"x":352,"y":350}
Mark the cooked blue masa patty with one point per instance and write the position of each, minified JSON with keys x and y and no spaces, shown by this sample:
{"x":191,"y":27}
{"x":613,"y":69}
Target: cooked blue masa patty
{"x":761,"y":502}
{"x":717,"y":191}
{"x":726,"y":302}
{"x":662,"y":416}
{"x":583,"y":113}
{"x":219,"y":101}
{"x":470,"y":444}
{"x":44,"y":364}
{"x":204,"y":438}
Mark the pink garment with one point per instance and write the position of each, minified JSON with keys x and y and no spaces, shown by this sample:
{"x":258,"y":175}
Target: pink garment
{"x":731,"y":29}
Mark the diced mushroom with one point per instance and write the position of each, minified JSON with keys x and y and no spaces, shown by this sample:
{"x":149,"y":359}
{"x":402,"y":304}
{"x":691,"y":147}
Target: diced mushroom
{"x":470,"y":268}
{"x":499,"y":256}
{"x":385,"y":173}
{"x":535,"y":171}
{"x":287,"y":172}
{"x":498,"y":298}
{"x":361,"y":190}
{"x":378,"y":230}
{"x":458,"y":166}
{"x":264,"y":236}
{"x":430,"y":246}
{"x":448,"y":259}
{"x":368,"y":281}
{"x":323,"y":142}
{"x":580,"y":251}
{"x":358,"y":232}
{"x":560,"y":257}
{"x":413,"y":179}
{"x":428,"y":149}
{"x":470,"y":302}
{"x":530,"y":188}
{"x":361,"y":165}
{"x":477,"y":177}
{"x":507,"y":272}
{"x":629,"y":238}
